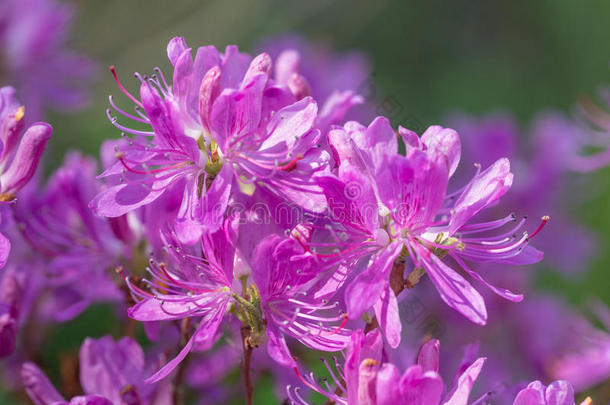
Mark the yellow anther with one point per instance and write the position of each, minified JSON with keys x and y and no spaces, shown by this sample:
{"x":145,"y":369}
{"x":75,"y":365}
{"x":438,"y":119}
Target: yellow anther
{"x":369,"y":363}
{"x":20,"y":113}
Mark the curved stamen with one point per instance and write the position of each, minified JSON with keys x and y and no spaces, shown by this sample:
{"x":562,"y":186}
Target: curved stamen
{"x":544,"y":220}
{"x":123,"y":89}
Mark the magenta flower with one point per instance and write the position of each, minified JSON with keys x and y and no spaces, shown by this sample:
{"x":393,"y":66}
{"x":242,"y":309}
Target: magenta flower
{"x":19,"y":153}
{"x":197,"y":283}
{"x":33,"y":37}
{"x":287,"y":296}
{"x":222,"y":123}
{"x":557,"y":393}
{"x":294,"y":298}
{"x":110,"y":373}
{"x":366,"y":378}
{"x":389,"y":207}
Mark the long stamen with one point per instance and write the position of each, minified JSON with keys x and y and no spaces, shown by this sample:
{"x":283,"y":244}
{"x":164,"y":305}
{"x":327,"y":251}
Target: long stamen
{"x":121,"y":157}
{"x":544,"y":219}
{"x":123,"y":89}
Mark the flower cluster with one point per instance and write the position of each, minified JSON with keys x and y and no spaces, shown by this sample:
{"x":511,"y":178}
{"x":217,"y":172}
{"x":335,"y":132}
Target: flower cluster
{"x":249,"y":203}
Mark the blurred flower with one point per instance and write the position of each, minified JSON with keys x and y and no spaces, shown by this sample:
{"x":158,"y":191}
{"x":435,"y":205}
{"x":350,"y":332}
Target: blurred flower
{"x":110,"y":373}
{"x":34,"y":56}
{"x":77,"y":244}
{"x":333,"y":78}
{"x":11,"y":295}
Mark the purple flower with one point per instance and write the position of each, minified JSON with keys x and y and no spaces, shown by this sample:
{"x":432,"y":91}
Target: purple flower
{"x":583,"y":354}
{"x":294,"y":298}
{"x":77,"y":245}
{"x":224,"y":125}
{"x":367,"y":379}
{"x":110,"y":373}
{"x":287,"y":296}
{"x":19,"y":153}
{"x":196,"y":283}
{"x":389,"y":207}
{"x":33,"y":36}
{"x":557,"y":393}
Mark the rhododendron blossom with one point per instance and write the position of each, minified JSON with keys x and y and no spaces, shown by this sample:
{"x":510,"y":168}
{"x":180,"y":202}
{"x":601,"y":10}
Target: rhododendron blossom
{"x":251,"y":215}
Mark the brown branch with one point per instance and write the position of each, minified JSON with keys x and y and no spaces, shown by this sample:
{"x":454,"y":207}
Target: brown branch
{"x":245,"y":339}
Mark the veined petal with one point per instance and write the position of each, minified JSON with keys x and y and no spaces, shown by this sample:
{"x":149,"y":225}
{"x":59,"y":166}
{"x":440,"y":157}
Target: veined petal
{"x":5,"y":249}
{"x":364,"y":291}
{"x":455,"y":290}
{"x":560,"y":393}
{"x":461,"y":391}
{"x":444,"y":141}
{"x":533,"y":394}
{"x":175,"y":48}
{"x":122,"y":198}
{"x":207,"y":327}
{"x":351,"y":200}
{"x":484,"y":189}
{"x":386,"y":311}
{"x":291,"y":123}
{"x":388,"y":385}
{"x":37,"y":385}
{"x":419,"y":387}
{"x":277,"y":348}
{"x":502,"y":292}
{"x":428,"y":354}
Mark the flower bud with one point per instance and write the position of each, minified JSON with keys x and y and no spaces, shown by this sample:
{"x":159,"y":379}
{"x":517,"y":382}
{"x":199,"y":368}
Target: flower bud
{"x":208,"y":92}
{"x":26,"y":159}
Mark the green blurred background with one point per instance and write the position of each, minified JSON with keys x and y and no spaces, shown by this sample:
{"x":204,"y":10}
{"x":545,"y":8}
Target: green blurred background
{"x":433,"y":57}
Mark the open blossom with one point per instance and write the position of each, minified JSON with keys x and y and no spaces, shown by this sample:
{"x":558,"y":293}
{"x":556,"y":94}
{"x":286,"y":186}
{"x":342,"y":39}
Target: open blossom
{"x":35,"y":58}
{"x":365,"y":378}
{"x":110,"y":373}
{"x":19,"y":153}
{"x":294,"y":299}
{"x":390,"y":206}
{"x":195,"y":283}
{"x":285,"y":297}
{"x":224,"y":125}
